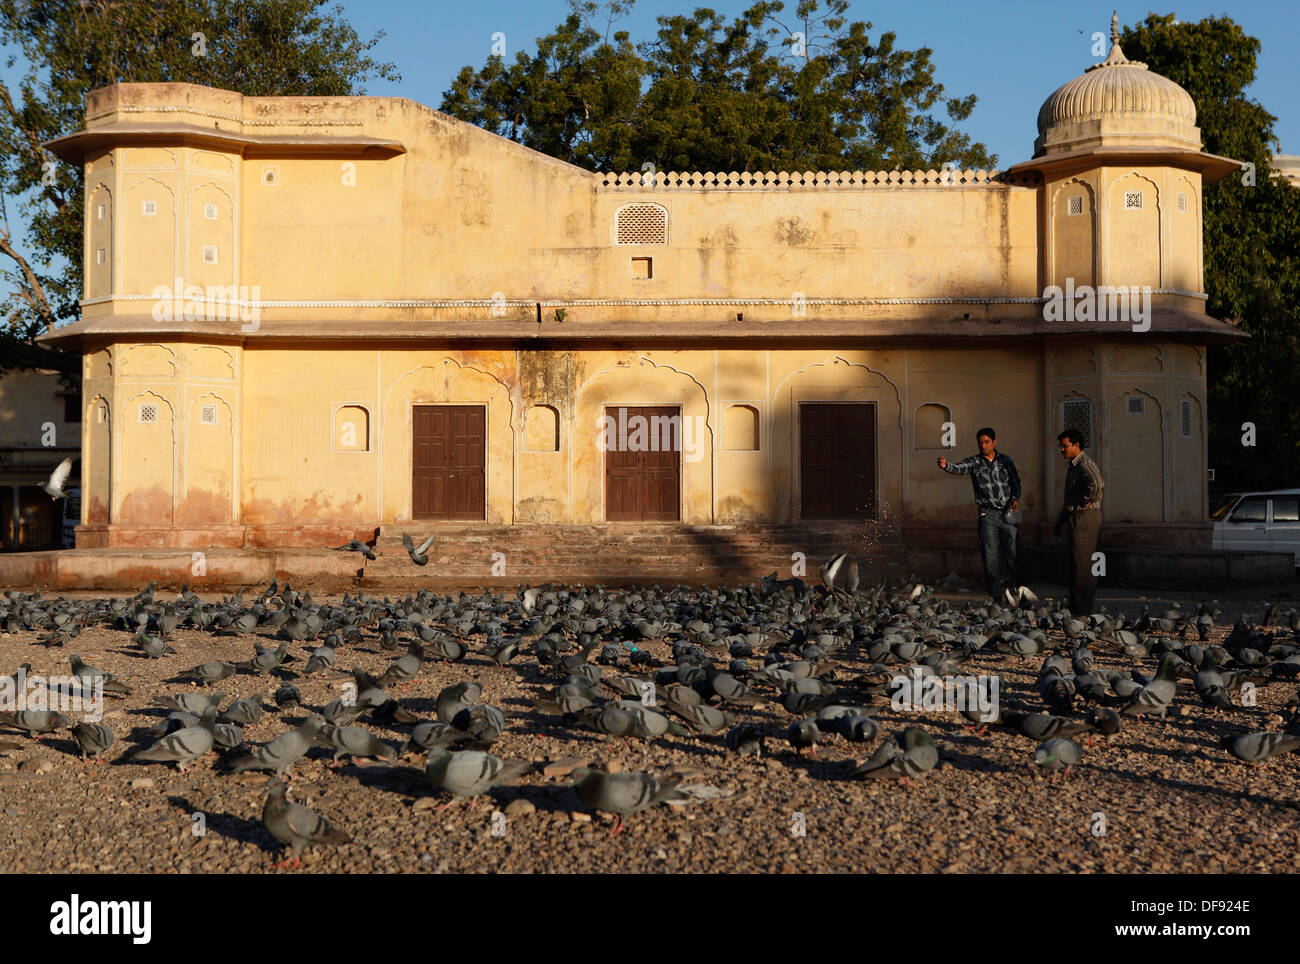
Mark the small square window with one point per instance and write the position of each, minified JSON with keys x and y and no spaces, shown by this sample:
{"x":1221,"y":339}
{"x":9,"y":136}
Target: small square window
{"x":1182,"y":204}
{"x":209,"y":254}
{"x":271,"y":175}
{"x":101,"y":414}
{"x":210,"y":211}
{"x":150,"y":208}
{"x":100,"y":211}
{"x":1076,"y":204}
{"x":1132,"y":200}
{"x":1136,"y":405}
{"x":149,"y":414}
{"x":208,"y":415}
{"x":643,"y":269}
{"x":101,"y":256}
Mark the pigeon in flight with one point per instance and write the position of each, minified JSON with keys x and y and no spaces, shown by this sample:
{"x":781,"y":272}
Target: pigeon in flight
{"x":58,"y":478}
{"x":419,"y":556}
{"x":355,"y":546}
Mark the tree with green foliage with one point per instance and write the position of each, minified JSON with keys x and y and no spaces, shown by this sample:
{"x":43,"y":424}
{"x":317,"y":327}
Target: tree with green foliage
{"x":756,"y":93}
{"x":1252,"y":249}
{"x":71,"y":47}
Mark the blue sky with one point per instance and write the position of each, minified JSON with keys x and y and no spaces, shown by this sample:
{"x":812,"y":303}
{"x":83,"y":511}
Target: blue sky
{"x":1010,"y":53}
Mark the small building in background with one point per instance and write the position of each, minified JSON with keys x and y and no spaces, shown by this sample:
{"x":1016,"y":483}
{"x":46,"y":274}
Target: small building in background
{"x":40,"y":426}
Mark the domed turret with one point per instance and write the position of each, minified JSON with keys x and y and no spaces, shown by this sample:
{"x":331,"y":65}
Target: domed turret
{"x":1117,"y":103}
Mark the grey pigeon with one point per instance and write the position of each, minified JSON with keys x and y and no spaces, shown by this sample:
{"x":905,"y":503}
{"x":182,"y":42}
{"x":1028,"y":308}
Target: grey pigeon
{"x":356,"y":546}
{"x":153,"y":646}
{"x":213,"y":671}
{"x":183,"y":746}
{"x":85,"y":671}
{"x":1156,"y":695}
{"x":455,"y":698}
{"x":915,"y":755}
{"x":284,"y":751}
{"x":294,"y":825}
{"x":321,"y":658}
{"x":355,"y":742}
{"x":1259,"y":747}
{"x":468,"y":773}
{"x":1213,"y":690}
{"x":745,"y":739}
{"x":1057,"y":754}
{"x":430,"y":733}
{"x":287,"y":697}
{"x":623,"y":793}
{"x":482,"y":724}
{"x":418,"y":555}
{"x":194,"y":703}
{"x":36,"y":722}
{"x":1043,"y":726}
{"x":92,"y":739}
{"x":242,"y":711}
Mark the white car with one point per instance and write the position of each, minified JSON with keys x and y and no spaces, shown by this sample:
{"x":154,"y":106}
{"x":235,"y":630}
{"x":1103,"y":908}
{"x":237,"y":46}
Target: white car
{"x":1259,"y":522}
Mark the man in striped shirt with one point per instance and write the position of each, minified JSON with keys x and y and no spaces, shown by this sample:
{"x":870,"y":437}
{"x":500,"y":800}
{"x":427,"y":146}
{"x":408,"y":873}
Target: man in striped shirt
{"x":1080,"y":518}
{"x":997,"y":493}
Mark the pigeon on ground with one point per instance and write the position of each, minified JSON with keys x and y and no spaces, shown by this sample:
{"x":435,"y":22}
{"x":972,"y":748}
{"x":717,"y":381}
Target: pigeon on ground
{"x":452,"y":699}
{"x":1156,"y":695}
{"x":194,"y":703}
{"x":468,"y":773}
{"x":154,"y":646}
{"x":36,"y":722}
{"x":92,"y":739}
{"x":1043,"y":726}
{"x":419,"y":556}
{"x":282,"y":752}
{"x":623,"y":793}
{"x":287,"y":697}
{"x":321,"y":658}
{"x":213,"y":671}
{"x":745,"y":739}
{"x":242,"y":711}
{"x":829,"y":570}
{"x":183,"y":746}
{"x":1057,"y":753}
{"x":110,"y":682}
{"x":915,"y":755}
{"x":294,"y":825}
{"x":1259,"y":747}
{"x":354,"y":742}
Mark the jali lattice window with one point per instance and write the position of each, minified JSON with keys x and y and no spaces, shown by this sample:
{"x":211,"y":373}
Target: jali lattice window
{"x":207,"y":415}
{"x":1076,"y":204}
{"x":1076,"y":413}
{"x":1132,"y":200}
{"x":149,"y":414}
{"x":641,"y":224}
{"x":1136,"y":405}
{"x":1185,"y":418}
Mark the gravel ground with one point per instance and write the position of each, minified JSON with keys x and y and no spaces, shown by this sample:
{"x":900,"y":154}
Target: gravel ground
{"x":1172,"y":799}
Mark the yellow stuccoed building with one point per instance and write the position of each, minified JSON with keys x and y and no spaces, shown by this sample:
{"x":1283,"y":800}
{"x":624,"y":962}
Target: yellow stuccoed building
{"x":305,"y":317}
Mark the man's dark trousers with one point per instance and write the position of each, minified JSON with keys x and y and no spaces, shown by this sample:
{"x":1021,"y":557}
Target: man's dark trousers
{"x":996,"y":533}
{"x":1082,"y":529}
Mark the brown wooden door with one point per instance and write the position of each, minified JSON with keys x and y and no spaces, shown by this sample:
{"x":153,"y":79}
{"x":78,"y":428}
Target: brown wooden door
{"x":450,"y":445}
{"x":643,"y":469}
{"x":837,"y":461}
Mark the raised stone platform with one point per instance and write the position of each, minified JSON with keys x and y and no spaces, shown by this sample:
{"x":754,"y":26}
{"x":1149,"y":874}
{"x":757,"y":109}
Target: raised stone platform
{"x":490,"y":555}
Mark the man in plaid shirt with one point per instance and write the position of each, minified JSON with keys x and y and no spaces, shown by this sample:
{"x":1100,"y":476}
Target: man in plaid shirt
{"x":997,"y":493}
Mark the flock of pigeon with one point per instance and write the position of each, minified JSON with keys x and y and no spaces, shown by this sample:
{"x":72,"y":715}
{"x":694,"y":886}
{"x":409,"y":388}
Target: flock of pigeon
{"x":752,"y":668}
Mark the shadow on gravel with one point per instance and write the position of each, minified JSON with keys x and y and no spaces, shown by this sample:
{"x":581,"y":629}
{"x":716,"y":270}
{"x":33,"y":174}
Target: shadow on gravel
{"x":1239,"y":796}
{"x":229,"y":825}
